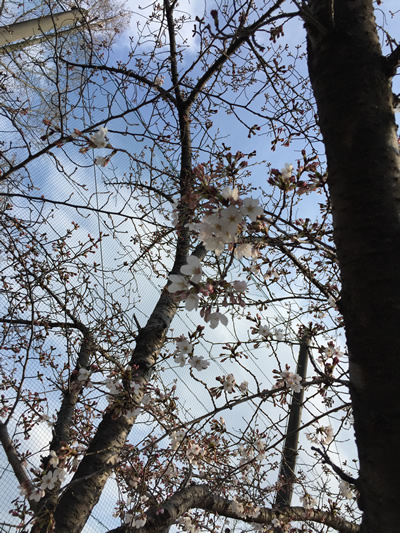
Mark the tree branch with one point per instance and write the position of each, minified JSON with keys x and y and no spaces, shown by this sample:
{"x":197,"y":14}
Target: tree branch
{"x":334,"y":467}
{"x":15,"y":461}
{"x":201,"y":497}
{"x":393,"y":61}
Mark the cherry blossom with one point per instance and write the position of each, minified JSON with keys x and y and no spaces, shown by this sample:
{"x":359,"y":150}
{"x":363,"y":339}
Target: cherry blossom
{"x":345,"y":490}
{"x":194,"y":453}
{"x":186,"y":523}
{"x":53,"y":458}
{"x":279,"y":335}
{"x":215,"y":318}
{"x":159,"y":81}
{"x":237,"y":507}
{"x":99,"y":138}
{"x":133,"y":413}
{"x":323,"y":435}
{"x":37,"y":494}
{"x":245,"y":250}
{"x":51,"y":478}
{"x":291,"y":380}
{"x":84,"y":374}
{"x":332,"y":301}
{"x":137,"y":523}
{"x":232,"y":217}
{"x":287,"y":171}
{"x":251,"y":208}
{"x":185,"y":346}
{"x":230,"y":194}
{"x":239,"y":286}
{"x":192,"y":268}
{"x":307,"y":501}
{"x":48,"y":481}
{"x":264,"y":330}
{"x":101,"y":161}
{"x":244,"y":387}
{"x":179,"y":359}
{"x":199,"y":363}
{"x":192,"y":302}
{"x":229,"y":383}
{"x":179,"y":283}
{"x":176,"y":438}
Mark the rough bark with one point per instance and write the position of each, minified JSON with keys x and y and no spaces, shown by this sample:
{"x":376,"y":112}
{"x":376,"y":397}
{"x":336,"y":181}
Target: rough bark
{"x":81,"y":496}
{"x":201,"y":497}
{"x":79,"y":499}
{"x":352,"y":86}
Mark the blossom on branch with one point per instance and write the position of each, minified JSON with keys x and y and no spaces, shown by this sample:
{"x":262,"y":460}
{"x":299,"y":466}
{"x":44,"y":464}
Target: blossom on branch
{"x":239,"y":286}
{"x":307,"y":501}
{"x":198,"y":362}
{"x":230,"y":194}
{"x":101,"y":161}
{"x":179,"y":283}
{"x":251,"y":208}
{"x":185,"y":346}
{"x":99,"y":138}
{"x":264,"y":330}
{"x":291,"y":380}
{"x":229,"y":383}
{"x":159,"y":81}
{"x":215,"y":318}
{"x":345,"y":490}
{"x":287,"y":171}
{"x":192,"y":302}
{"x":192,"y":268}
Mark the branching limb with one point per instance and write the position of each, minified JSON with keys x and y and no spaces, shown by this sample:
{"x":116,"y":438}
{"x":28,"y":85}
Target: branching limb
{"x":334,"y":467}
{"x":393,"y":61}
{"x":15,"y":461}
{"x":201,"y":497}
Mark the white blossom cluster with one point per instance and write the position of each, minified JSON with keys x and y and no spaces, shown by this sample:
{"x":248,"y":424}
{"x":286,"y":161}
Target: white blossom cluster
{"x":221,"y":226}
{"x":287,"y":171}
{"x":49,"y":481}
{"x":345,"y":490}
{"x":99,"y":138}
{"x":322,"y":435}
{"x":291,"y":380}
{"x":307,"y":501}
{"x":245,"y":508}
{"x":84,"y":376}
{"x":159,"y":81}
{"x":229,"y":383}
{"x":114,"y":387}
{"x":132,"y":521}
{"x":194,"y":453}
{"x":187,"y":286}
{"x":192,"y":273}
{"x":329,"y":352}
{"x":249,"y":453}
{"x":176,"y":438}
{"x":185,"y":348}
{"x":265,"y":332}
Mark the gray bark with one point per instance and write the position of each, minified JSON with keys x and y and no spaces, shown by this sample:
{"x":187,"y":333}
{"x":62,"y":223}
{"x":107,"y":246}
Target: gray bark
{"x":352,"y":86}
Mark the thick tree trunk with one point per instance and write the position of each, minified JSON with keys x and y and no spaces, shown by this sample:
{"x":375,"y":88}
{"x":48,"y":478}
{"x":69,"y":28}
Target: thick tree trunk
{"x":352,"y":86}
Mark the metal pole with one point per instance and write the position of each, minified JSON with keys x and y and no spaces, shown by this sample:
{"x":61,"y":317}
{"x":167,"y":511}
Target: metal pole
{"x":23,"y":31}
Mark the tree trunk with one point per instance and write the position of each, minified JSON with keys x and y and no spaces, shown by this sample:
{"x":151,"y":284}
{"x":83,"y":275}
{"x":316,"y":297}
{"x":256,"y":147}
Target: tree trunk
{"x":352,"y":86}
